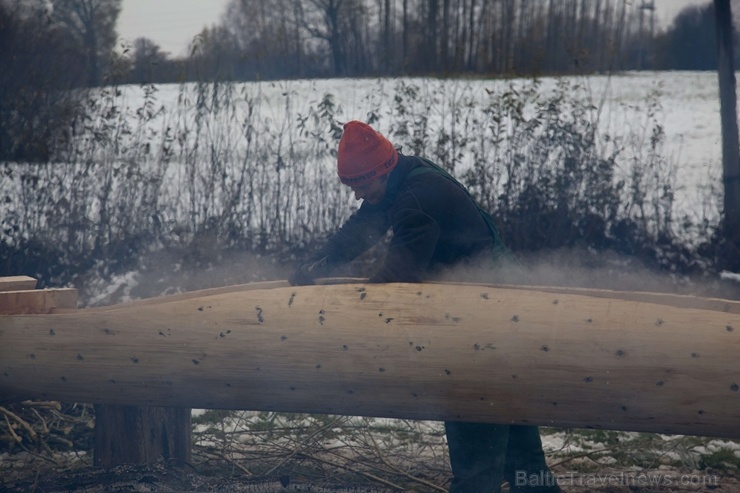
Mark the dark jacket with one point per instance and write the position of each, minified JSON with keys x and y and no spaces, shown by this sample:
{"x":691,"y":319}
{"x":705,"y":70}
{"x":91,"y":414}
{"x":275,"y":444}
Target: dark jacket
{"x":434,"y":221}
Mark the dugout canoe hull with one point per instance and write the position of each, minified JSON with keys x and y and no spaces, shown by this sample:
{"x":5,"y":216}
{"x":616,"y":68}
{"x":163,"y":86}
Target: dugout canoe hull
{"x":465,"y":352}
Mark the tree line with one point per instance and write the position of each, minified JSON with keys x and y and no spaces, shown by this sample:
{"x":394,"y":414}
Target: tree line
{"x":275,"y":39}
{"x":48,"y":51}
{"x":48,"y":48}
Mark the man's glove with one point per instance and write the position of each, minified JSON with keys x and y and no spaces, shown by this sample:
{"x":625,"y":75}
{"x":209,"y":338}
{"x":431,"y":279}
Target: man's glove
{"x":305,"y":273}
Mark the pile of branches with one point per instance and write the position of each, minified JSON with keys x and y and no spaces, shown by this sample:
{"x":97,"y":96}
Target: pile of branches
{"x":45,"y":428}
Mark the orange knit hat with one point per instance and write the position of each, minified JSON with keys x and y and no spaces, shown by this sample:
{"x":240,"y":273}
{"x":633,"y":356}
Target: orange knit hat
{"x":363,"y":154}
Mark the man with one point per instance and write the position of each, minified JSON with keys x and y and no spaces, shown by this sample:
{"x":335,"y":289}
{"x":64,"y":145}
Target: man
{"x":436,"y":225}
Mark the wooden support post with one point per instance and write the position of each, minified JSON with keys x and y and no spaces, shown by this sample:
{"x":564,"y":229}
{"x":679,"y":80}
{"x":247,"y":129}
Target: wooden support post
{"x":139,"y":435}
{"x":123,"y":434}
{"x":730,"y":143}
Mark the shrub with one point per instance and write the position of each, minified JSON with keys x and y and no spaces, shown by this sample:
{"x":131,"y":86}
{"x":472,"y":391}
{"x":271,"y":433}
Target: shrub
{"x":206,"y":168}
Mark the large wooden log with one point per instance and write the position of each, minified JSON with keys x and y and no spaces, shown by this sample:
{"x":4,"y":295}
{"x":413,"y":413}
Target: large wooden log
{"x":418,"y":351}
{"x":123,"y":434}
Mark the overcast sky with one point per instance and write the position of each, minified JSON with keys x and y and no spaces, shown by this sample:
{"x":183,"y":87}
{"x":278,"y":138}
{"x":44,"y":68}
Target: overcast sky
{"x":172,"y":24}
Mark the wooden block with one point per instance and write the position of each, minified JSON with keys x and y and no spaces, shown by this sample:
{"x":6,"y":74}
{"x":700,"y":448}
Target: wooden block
{"x":17,"y":283}
{"x":38,"y":301}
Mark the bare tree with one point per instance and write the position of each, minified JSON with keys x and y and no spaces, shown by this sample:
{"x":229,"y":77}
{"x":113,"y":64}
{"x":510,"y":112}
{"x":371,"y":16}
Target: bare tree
{"x":385,"y":18}
{"x":267,"y":37}
{"x":358,"y":59}
{"x":405,"y":34}
{"x":147,"y":57}
{"x":213,"y":55}
{"x":284,"y":38}
{"x":36,"y":73}
{"x":93,"y":23}
{"x":469,"y":37}
{"x":323,"y":20}
{"x":445,"y":37}
{"x":430,"y":54}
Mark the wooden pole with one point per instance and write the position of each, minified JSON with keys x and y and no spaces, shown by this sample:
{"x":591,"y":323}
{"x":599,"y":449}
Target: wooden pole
{"x":416,"y":351}
{"x":730,"y":145}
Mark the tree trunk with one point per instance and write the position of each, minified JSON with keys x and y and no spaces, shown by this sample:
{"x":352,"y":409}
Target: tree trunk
{"x":730,"y":146}
{"x":463,"y":352}
{"x":388,"y":59}
{"x":431,"y":52}
{"x":405,"y":37}
{"x":445,"y":37}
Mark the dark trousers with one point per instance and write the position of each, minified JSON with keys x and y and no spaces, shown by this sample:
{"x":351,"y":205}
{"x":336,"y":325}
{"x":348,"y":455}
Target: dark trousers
{"x":482,"y":455}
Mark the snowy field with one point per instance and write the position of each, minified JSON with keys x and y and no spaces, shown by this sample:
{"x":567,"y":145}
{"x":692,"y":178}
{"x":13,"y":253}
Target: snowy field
{"x":626,"y":107}
{"x":685,"y":104}
{"x":242,"y":129}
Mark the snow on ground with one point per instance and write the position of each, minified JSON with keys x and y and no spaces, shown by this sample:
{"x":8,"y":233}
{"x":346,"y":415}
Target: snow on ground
{"x":729,"y":276}
{"x":686,"y":106}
